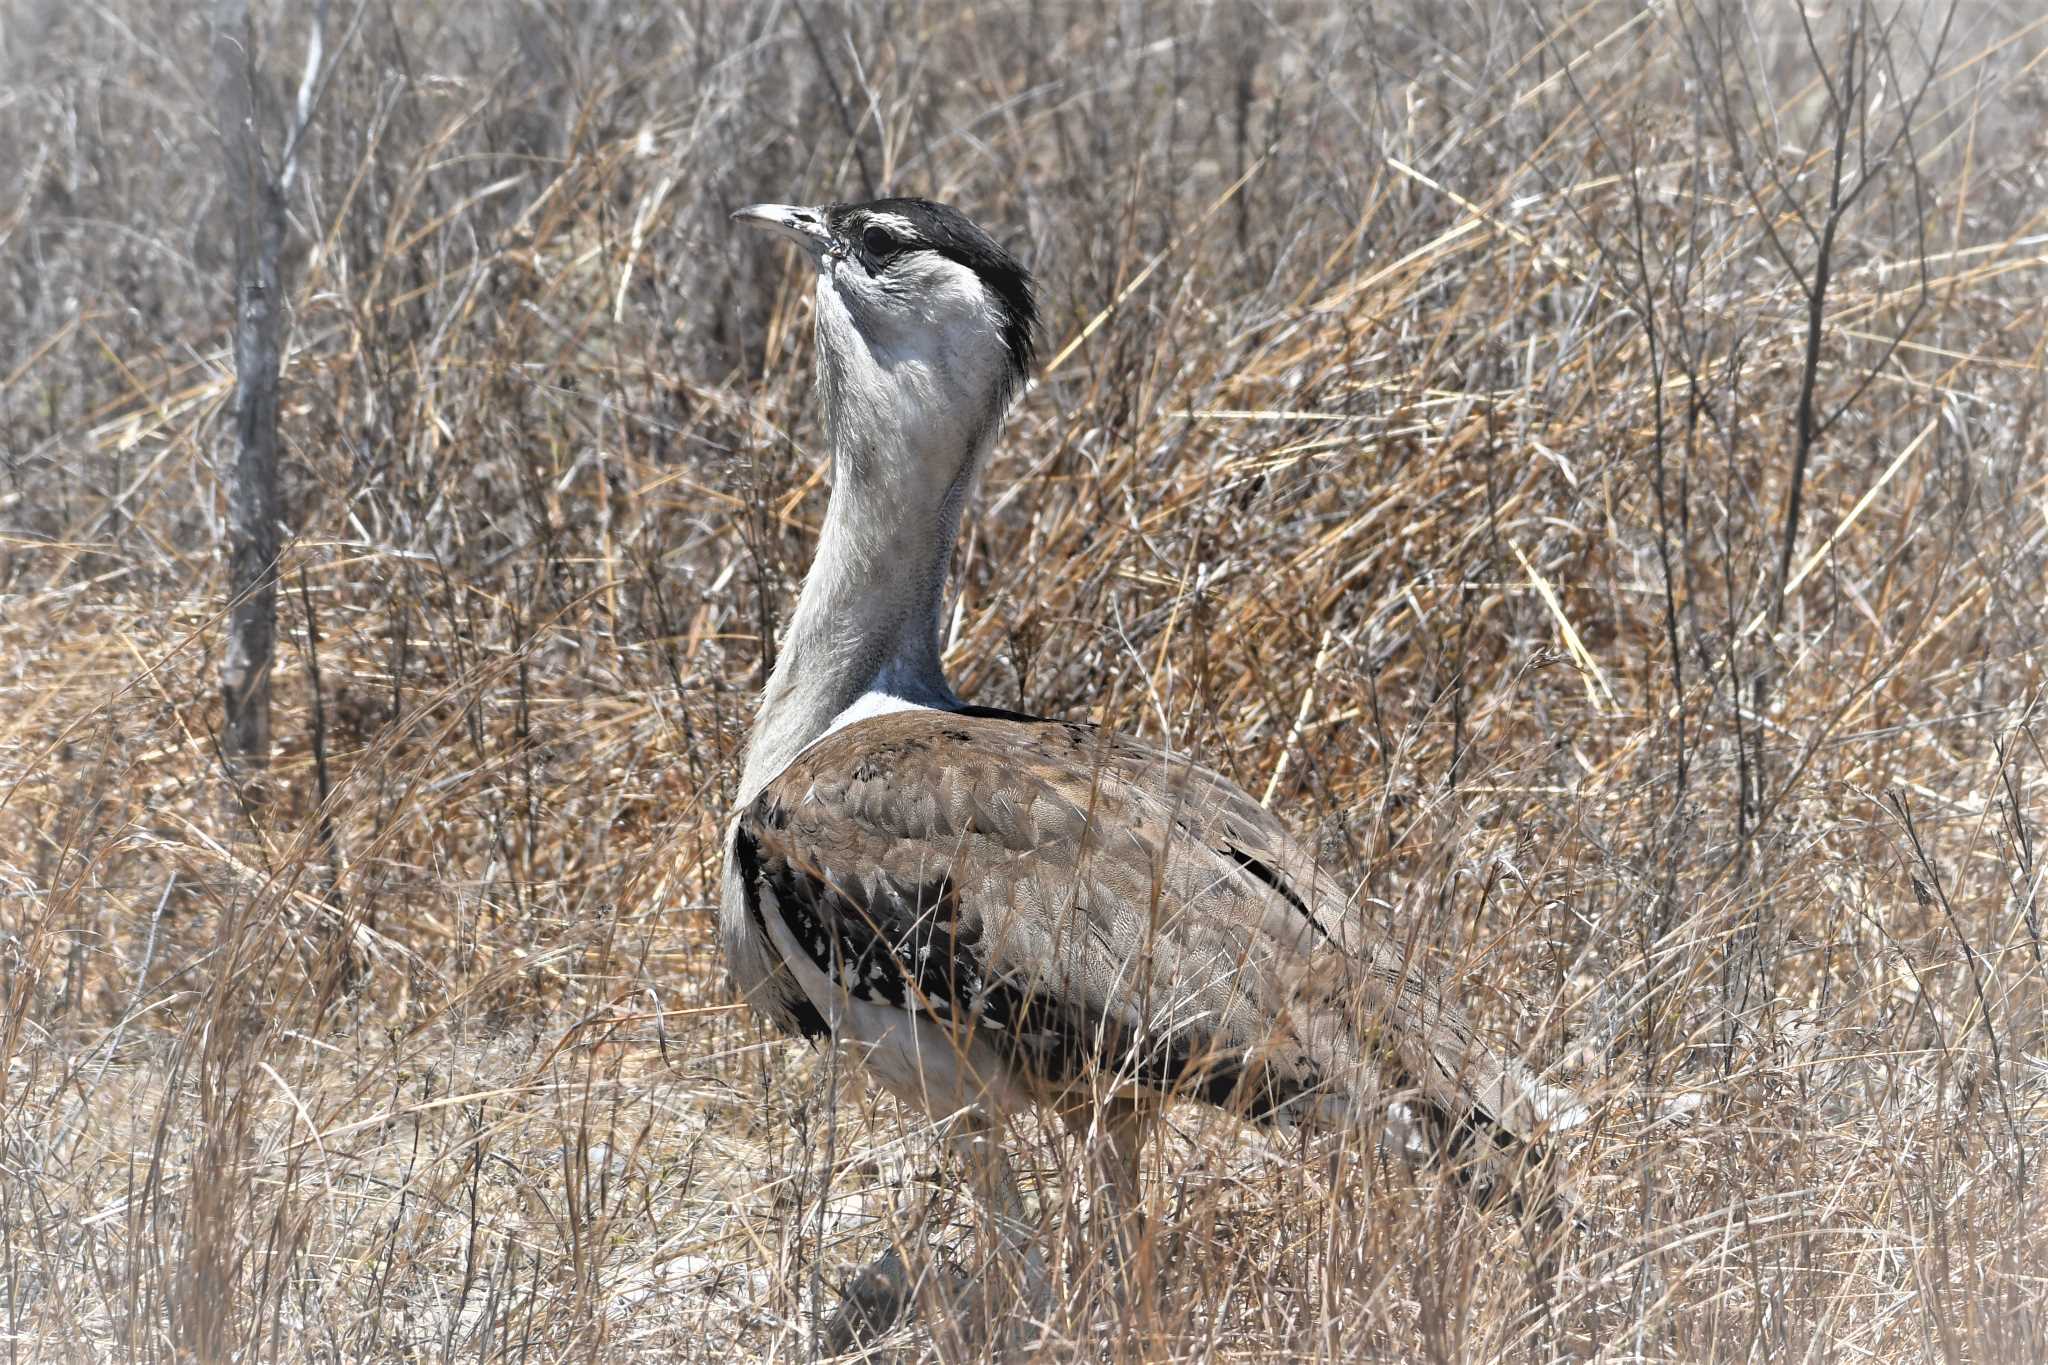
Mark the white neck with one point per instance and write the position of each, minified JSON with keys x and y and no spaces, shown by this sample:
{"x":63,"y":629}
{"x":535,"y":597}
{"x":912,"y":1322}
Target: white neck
{"x":869,"y":616}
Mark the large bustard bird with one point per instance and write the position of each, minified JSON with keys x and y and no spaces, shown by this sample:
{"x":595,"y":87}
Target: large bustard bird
{"x":998,"y":911}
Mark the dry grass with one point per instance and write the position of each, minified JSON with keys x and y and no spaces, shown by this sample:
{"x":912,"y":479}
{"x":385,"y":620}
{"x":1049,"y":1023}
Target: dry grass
{"x":1427,"y":471}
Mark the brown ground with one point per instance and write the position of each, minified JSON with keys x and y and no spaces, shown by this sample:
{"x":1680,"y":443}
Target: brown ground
{"x":1418,"y":448}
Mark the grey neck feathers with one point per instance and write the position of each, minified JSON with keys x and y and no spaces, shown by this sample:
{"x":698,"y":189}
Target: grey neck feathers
{"x":868,"y":618}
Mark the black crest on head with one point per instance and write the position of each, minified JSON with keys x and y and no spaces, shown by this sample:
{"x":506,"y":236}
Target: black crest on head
{"x":951,"y":233}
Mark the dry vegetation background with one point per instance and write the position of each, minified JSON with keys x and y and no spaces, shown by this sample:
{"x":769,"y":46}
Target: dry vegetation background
{"x":1426,"y":467}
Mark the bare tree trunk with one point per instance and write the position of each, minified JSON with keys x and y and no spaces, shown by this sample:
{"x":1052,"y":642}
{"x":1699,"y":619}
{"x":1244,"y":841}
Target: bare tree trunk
{"x":255,"y":200}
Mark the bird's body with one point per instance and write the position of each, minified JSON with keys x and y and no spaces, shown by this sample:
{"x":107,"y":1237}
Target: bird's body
{"x":1008,"y":911}
{"x":999,"y":911}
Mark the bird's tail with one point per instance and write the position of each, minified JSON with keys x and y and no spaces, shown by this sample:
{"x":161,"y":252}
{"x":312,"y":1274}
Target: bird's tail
{"x":1436,"y":1092}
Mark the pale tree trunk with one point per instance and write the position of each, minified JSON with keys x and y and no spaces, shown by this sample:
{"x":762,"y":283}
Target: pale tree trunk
{"x":248,"y":460}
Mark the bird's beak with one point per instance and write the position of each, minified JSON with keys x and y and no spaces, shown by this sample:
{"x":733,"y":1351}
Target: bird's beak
{"x":805,"y":227}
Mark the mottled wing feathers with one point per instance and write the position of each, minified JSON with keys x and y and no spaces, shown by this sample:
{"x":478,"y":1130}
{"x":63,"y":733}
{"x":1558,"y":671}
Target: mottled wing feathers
{"x":1086,"y":904}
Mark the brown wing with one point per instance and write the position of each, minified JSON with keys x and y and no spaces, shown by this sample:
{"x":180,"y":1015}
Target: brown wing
{"x":1089,"y":904}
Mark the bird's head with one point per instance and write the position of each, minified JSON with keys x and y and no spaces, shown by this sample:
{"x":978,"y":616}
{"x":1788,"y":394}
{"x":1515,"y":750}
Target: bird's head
{"x":926,"y":330}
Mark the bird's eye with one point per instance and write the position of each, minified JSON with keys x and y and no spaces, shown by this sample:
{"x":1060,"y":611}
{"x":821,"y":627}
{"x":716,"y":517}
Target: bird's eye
{"x":878,"y":243}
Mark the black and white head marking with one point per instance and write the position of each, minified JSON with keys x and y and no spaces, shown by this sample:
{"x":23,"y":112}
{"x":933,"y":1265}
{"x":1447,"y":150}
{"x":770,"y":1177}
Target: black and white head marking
{"x":917,"y":279}
{"x":886,"y":234}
